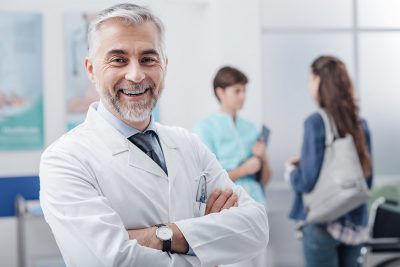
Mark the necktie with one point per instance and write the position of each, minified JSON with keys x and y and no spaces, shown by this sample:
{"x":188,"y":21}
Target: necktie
{"x":146,"y":142}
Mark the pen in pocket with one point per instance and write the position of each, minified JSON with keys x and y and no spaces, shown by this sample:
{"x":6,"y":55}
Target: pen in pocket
{"x":201,"y":195}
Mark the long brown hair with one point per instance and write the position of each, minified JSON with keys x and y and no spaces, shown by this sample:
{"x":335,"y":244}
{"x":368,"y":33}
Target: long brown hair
{"x":336,"y":97}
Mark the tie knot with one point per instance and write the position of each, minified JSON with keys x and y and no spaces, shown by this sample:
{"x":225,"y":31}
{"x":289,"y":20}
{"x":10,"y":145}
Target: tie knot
{"x":144,"y":141}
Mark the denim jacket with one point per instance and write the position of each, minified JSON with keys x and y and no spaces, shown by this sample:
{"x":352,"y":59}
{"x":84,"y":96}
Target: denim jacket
{"x":304,"y":177}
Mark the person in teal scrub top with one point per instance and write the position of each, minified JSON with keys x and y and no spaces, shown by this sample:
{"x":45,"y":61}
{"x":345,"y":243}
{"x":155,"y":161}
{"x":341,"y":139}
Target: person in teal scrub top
{"x":235,"y":141}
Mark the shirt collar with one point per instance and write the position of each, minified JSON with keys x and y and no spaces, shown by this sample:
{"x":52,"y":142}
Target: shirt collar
{"x":125,"y":129}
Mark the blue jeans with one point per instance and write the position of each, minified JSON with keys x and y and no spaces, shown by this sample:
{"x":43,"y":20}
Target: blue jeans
{"x":320,"y":249}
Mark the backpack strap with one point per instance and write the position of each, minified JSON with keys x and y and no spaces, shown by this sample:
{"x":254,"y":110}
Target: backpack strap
{"x":331,"y":132}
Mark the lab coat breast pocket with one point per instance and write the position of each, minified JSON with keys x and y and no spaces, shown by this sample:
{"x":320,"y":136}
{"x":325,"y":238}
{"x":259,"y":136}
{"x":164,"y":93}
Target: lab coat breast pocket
{"x":199,"y":204}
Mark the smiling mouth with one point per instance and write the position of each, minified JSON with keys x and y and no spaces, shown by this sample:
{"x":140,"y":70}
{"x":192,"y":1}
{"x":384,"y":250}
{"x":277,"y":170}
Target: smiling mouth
{"x":130,"y":93}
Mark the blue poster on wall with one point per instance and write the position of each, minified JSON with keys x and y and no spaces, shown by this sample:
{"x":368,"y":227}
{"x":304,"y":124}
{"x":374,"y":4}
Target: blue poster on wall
{"x":21,"y":81}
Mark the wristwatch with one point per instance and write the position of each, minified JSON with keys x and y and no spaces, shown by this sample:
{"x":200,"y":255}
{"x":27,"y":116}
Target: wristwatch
{"x":164,"y":233}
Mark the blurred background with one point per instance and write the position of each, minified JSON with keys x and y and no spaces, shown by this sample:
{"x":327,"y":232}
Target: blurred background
{"x":44,"y":90}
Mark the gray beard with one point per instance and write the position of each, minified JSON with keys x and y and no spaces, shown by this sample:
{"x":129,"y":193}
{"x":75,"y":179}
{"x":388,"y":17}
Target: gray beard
{"x":135,"y":112}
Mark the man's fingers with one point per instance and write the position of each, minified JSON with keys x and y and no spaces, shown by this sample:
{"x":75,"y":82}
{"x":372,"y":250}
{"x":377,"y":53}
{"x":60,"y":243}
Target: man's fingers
{"x":221,"y":200}
{"x":211,"y":200}
{"x":230,"y":202}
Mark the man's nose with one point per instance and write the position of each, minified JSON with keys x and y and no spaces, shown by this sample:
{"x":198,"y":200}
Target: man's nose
{"x":135,"y":73}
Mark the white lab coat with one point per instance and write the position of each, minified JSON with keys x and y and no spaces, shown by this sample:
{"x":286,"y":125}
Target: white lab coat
{"x":95,"y":184}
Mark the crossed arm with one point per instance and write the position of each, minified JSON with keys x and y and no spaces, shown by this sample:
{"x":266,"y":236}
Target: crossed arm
{"x":90,"y":232}
{"x":218,"y":200}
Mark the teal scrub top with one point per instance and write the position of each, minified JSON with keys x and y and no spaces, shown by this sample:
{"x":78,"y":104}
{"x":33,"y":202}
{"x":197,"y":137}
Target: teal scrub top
{"x":232,"y":141}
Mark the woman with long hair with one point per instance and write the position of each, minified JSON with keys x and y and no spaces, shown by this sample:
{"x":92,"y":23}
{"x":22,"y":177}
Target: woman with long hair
{"x":336,"y":243}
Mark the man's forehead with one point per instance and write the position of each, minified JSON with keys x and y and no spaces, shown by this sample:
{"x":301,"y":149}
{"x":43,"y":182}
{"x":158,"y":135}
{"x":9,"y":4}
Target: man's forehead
{"x":140,"y":51}
{"x":118,"y":26}
{"x":121,"y":37}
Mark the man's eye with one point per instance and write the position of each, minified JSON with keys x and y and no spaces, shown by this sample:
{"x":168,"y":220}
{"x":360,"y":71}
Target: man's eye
{"x":118,"y":60}
{"x":148,"y":60}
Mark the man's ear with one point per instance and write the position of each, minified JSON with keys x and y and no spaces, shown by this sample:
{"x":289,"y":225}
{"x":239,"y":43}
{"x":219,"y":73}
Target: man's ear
{"x":166,"y":63}
{"x":89,"y":69}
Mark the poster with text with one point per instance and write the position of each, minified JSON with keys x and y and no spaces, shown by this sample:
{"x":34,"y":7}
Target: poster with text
{"x":21,"y":81}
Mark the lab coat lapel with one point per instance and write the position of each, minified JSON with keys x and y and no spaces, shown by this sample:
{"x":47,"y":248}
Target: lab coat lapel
{"x":109,"y":135}
{"x":119,"y":144}
{"x":170,"y":151}
{"x":172,"y":161}
{"x":138,"y":159}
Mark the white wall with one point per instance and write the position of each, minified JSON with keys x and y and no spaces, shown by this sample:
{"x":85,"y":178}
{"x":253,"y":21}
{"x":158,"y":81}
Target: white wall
{"x":214,"y":36}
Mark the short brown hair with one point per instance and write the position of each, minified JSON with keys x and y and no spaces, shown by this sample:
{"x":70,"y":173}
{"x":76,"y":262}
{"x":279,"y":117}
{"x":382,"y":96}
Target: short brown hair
{"x":228,"y":76}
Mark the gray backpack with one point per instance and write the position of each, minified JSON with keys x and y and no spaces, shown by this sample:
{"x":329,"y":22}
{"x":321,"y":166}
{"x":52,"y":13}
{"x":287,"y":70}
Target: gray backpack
{"x":341,"y":186}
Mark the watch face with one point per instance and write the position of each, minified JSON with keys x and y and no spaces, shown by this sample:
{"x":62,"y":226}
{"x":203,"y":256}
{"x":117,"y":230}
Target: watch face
{"x":164,"y":233}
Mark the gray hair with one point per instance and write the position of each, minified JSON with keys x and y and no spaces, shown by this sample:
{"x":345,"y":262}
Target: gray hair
{"x":129,"y":13}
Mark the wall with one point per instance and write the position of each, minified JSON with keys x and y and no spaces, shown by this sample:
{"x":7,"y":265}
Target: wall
{"x":214,"y":36}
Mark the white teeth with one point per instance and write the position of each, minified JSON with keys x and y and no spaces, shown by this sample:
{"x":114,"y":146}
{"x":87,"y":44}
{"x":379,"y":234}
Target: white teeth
{"x":133,"y":92}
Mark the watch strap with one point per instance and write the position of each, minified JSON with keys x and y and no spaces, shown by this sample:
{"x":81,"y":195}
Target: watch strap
{"x":166,"y":245}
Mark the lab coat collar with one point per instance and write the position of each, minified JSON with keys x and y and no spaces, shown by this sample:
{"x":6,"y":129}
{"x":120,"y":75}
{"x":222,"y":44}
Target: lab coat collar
{"x":119,"y":144}
{"x":164,"y":136}
{"x":110,"y":136}
{"x":122,"y":127}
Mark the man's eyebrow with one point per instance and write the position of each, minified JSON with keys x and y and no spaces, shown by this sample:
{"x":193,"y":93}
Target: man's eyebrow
{"x":150,"y":52}
{"x":116,"y":52}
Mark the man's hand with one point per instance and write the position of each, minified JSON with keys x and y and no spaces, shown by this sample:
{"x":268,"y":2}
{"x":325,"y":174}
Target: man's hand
{"x":146,"y":237}
{"x":220,"y":200}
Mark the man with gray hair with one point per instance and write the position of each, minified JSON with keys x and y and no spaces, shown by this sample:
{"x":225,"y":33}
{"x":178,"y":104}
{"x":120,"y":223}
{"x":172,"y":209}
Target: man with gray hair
{"x":123,"y":190}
